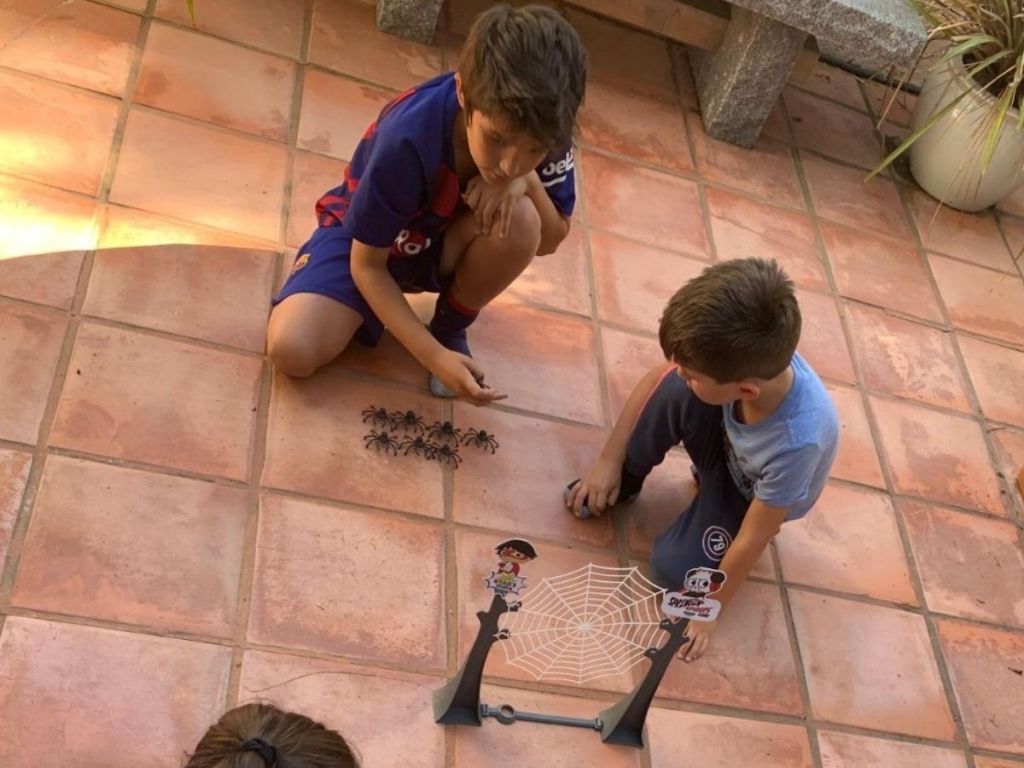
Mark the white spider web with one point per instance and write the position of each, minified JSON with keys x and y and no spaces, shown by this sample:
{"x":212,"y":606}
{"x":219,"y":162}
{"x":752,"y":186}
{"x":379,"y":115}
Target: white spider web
{"x":590,"y":623}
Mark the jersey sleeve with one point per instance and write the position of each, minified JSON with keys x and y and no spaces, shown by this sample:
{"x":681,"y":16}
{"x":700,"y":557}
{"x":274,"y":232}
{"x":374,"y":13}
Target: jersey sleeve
{"x":786,"y":480}
{"x":389,"y":192}
{"x":557,"y":174}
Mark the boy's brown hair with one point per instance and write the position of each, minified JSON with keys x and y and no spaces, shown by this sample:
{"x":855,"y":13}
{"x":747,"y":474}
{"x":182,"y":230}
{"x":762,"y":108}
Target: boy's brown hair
{"x":737,"y":320}
{"x":263,"y":736}
{"x":526,"y":65}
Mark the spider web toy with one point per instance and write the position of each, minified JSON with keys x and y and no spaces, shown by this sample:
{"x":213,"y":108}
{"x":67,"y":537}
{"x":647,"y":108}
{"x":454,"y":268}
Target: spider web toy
{"x":591,"y":623}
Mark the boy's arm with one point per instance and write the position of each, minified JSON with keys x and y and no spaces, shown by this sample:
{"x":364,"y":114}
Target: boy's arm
{"x":760,"y":526}
{"x":554,"y":226}
{"x":458,"y":372}
{"x":599,"y":488}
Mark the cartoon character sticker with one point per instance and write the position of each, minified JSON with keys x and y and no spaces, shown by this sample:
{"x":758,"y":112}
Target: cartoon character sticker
{"x":505,"y":579}
{"x":692,"y":601}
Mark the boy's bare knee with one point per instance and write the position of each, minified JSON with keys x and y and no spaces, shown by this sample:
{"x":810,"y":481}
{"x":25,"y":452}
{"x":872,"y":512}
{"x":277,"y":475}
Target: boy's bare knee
{"x":523,"y":236}
{"x":292,"y":357}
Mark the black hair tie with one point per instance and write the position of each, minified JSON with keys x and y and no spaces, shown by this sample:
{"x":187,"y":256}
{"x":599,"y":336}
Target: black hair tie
{"x":264,"y":750}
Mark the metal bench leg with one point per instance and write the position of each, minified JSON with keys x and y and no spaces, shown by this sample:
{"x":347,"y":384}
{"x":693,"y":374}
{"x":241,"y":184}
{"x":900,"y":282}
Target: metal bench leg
{"x":412,"y":19}
{"x":738,"y":84}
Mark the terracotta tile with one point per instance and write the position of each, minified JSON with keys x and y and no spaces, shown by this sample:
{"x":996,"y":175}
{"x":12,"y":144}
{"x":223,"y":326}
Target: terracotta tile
{"x":38,"y":219}
{"x":834,"y":84}
{"x":983,"y":666}
{"x":1013,"y":229}
{"x":388,"y":360}
{"x":725,"y":742}
{"x":558,"y":280}
{"x":209,"y":79}
{"x":14,"y":468}
{"x":848,"y":750}
{"x":549,"y":453}
{"x":638,"y":202}
{"x":103,"y":689}
{"x":749,"y":663}
{"x":335,"y":113}
{"x":101,"y":539}
{"x":882,"y":271}
{"x":345,"y":38}
{"x":315,"y":444}
{"x":274,"y":25}
{"x":634,"y":281}
{"x":831,"y":129}
{"x":981,"y":300}
{"x":149,"y":399}
{"x":631,"y":60}
{"x":462,"y":13}
{"x":200,"y":174}
{"x":213,"y":293}
{"x":476,"y":560}
{"x":970,"y":566}
{"x":543,"y":361}
{"x":895,"y":107}
{"x":870,"y":667}
{"x":857,"y":460}
{"x":83,"y":44}
{"x":937,"y":455}
{"x":907,"y":359}
{"x":1013,"y":204}
{"x":538,"y":744}
{"x":744,"y":227}
{"x":122,"y":227}
{"x":54,"y":134}
{"x":970,"y":236}
{"x":1009,"y":445}
{"x":132,"y":5}
{"x":766,"y":170}
{"x":43,"y":278}
{"x":998,"y":377}
{"x":684,"y":76}
{"x":293,"y":605}
{"x":636,"y":126}
{"x":849,"y":542}
{"x":312,"y":176}
{"x":840,"y":193}
{"x":991,"y":762}
{"x":388,"y":715}
{"x":822,"y":341}
{"x":626,"y":359}
{"x":777,"y":125}
{"x":30,"y":342}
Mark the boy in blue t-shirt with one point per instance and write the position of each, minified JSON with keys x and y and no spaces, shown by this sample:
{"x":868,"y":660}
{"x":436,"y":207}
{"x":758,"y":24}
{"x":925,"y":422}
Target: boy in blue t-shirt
{"x":454,"y":189}
{"x":757,"y":422}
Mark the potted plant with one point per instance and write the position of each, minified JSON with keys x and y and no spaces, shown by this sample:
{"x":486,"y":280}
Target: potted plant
{"x":967,"y":140}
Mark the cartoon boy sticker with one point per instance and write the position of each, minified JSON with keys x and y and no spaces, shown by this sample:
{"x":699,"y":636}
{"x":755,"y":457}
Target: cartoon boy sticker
{"x":505,"y":578}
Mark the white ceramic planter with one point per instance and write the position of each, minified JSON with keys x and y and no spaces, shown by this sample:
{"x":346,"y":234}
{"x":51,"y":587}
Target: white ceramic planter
{"x":946,"y":160}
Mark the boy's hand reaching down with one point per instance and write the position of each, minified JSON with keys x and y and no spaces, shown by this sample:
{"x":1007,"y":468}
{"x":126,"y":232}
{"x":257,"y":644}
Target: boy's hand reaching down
{"x":599,"y":488}
{"x":492,"y":204}
{"x":699,"y":633}
{"x":463,"y":376}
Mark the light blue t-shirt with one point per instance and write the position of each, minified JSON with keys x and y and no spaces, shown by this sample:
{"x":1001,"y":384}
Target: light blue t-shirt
{"x":785,"y":459}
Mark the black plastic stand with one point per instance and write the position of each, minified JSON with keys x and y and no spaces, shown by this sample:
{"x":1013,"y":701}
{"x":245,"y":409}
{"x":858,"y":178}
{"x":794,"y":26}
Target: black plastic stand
{"x":624,"y":723}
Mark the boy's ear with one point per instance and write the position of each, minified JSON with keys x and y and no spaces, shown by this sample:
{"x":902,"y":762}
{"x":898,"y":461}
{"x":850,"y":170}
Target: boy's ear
{"x":458,"y":90}
{"x":749,"y":389}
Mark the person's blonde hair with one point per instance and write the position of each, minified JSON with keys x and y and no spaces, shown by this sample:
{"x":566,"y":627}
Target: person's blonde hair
{"x":263,"y":736}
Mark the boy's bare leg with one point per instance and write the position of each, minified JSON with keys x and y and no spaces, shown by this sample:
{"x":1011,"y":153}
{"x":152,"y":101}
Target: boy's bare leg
{"x":307,"y":331}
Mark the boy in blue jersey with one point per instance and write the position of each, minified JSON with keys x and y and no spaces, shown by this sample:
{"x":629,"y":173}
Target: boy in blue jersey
{"x":454,"y":189}
{"x":753,"y":416}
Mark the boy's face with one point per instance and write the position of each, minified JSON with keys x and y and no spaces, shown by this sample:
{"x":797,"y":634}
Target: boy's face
{"x":714,"y":393}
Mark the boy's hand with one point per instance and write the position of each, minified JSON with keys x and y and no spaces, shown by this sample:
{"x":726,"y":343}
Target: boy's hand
{"x":493,"y":203}
{"x":599,"y":488}
{"x":699,"y":633}
{"x":464,"y":377}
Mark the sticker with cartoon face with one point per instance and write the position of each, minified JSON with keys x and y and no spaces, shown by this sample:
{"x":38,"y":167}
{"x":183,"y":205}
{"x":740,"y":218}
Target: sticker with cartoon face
{"x":692,"y":601}
{"x":505,"y":580}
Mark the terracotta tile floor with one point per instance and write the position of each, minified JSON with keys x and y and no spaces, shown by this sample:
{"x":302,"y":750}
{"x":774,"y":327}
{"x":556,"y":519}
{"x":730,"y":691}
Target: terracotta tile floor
{"x":181,"y":529}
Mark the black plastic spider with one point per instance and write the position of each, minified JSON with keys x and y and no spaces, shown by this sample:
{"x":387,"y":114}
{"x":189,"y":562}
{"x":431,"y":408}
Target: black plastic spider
{"x":445,"y":454}
{"x":445,"y":432}
{"x":408,"y":421}
{"x":419,"y":445}
{"x":377,"y":417}
{"x":481,"y":439}
{"x":382,"y":442}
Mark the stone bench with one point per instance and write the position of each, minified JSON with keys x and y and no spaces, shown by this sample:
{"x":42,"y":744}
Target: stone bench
{"x":742,"y":55}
